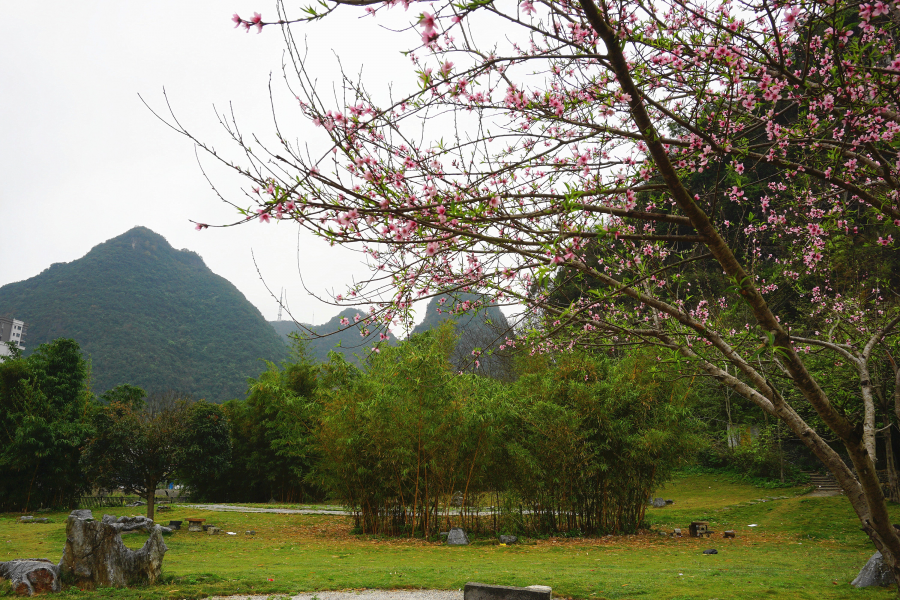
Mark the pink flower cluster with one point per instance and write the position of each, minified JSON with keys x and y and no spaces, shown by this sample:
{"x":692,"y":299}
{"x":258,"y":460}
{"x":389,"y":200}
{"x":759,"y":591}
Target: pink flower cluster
{"x":255,"y":21}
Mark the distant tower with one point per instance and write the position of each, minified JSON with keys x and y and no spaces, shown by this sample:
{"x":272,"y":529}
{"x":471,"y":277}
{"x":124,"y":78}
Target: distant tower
{"x":280,"y":303}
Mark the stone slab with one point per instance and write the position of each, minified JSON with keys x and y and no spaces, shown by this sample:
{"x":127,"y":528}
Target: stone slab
{"x":486,"y":591}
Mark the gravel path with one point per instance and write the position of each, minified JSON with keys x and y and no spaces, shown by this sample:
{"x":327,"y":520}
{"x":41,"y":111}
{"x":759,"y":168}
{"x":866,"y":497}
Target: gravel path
{"x":360,"y":595}
{"x":280,"y":511}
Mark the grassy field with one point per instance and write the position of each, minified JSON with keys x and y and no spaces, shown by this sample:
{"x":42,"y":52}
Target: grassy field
{"x":801,"y":547}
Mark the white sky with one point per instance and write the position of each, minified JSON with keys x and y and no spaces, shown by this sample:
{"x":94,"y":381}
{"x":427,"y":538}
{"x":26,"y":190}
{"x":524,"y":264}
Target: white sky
{"x":83,"y":160}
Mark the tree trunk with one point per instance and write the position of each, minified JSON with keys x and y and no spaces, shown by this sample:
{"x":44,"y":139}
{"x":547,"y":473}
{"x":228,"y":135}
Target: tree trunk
{"x":151,"y":503}
{"x":893,"y":482}
{"x":94,"y":554}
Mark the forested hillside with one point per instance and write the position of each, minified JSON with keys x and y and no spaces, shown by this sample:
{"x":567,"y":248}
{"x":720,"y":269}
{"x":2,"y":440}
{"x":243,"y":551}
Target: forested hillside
{"x":147,"y":314}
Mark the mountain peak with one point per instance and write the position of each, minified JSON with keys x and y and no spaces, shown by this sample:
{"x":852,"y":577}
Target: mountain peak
{"x":148,"y":315}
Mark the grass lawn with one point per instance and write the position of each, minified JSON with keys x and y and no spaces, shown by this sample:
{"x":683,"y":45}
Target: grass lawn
{"x":800,"y":548}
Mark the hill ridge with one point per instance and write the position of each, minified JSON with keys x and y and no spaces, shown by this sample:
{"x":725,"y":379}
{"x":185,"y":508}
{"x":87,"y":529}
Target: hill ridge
{"x":149,"y":315}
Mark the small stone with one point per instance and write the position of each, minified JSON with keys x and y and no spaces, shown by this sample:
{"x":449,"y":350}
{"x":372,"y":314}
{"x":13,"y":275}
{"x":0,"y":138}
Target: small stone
{"x":212,"y":530}
{"x":676,"y":532}
{"x":508,"y":539}
{"x":42,"y":520}
{"x":663,"y":534}
{"x":251,"y":532}
{"x":457,"y":537}
{"x":670,"y":502}
{"x":658,"y":503}
{"x":729,"y":534}
{"x":874,"y":573}
{"x":711,"y":551}
{"x":26,"y":519}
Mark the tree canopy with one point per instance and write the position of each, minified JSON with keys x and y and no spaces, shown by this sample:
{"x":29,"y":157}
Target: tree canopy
{"x":629,"y":143}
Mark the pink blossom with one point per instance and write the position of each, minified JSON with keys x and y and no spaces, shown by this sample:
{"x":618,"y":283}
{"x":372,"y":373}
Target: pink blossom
{"x":345,"y":321}
{"x":431,"y":248}
{"x":236,"y":19}
{"x":427,"y":21}
{"x":527,"y":7}
{"x":886,"y":241}
{"x":791,"y":17}
{"x":201,"y":226}
{"x":880,"y":9}
{"x":263,"y":215}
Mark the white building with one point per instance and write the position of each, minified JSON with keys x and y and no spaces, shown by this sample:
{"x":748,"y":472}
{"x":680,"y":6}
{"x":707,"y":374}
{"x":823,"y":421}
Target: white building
{"x":11,"y":330}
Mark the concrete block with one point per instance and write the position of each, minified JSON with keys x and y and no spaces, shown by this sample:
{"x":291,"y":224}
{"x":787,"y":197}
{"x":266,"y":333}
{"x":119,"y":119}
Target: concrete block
{"x":485,"y":591}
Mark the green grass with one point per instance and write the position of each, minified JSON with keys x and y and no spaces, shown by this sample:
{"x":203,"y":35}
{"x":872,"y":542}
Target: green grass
{"x":802,"y":548}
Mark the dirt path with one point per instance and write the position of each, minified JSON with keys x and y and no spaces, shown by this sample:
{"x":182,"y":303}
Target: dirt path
{"x":280,"y":511}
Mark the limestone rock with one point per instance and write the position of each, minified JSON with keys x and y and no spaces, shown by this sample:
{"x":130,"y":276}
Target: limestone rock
{"x":874,"y":573}
{"x":457,"y":537}
{"x":508,"y":539}
{"x":30,"y":576}
{"x":94,"y":554}
{"x":658,"y":503}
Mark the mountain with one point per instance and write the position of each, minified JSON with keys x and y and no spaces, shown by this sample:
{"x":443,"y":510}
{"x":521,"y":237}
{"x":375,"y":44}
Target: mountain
{"x":482,"y":328}
{"x":348,"y":342}
{"x":148,"y":315}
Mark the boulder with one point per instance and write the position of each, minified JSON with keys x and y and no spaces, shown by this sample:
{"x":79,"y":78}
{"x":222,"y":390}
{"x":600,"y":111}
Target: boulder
{"x":94,"y":554}
{"x":658,"y":503}
{"x":729,"y":534}
{"x":457,"y":537}
{"x":508,"y":539}
{"x":30,"y":576}
{"x":125,"y":524}
{"x":874,"y":573}
{"x":213,"y":530}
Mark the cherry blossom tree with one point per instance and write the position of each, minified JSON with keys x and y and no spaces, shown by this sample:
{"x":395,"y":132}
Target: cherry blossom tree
{"x":623,"y":145}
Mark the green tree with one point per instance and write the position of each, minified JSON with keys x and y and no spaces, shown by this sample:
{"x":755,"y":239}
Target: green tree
{"x":592,"y":437}
{"x":272,"y":432}
{"x":136,"y":447}
{"x":43,"y":426}
{"x":206,"y":451}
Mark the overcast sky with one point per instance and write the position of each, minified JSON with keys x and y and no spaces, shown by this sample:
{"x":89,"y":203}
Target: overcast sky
{"x":83,"y":160}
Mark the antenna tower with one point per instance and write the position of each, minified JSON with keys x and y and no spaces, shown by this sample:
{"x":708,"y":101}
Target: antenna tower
{"x":280,"y":303}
